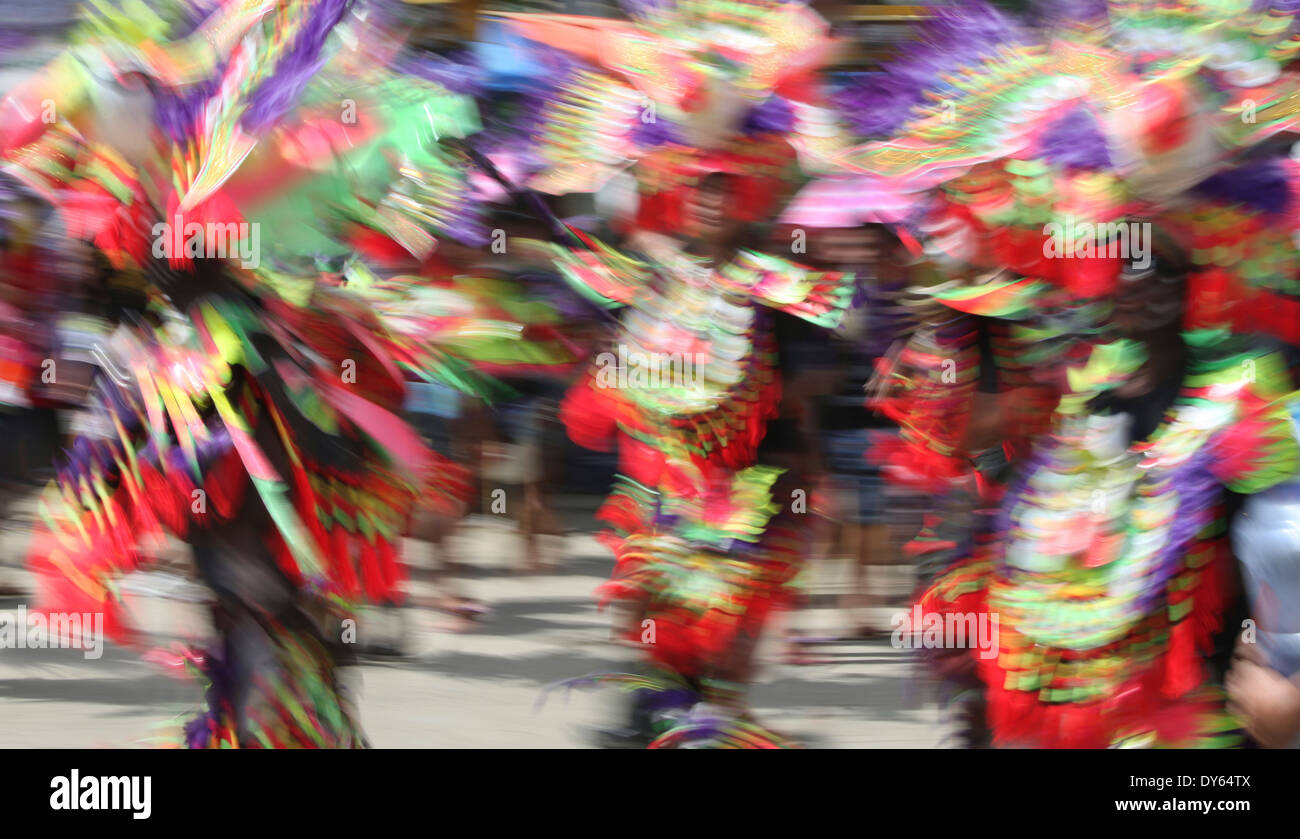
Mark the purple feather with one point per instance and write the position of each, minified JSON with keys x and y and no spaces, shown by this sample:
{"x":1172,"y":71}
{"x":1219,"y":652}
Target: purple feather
{"x":954,"y":37}
{"x":773,"y":115}
{"x":1261,"y":184}
{"x":466,"y":225}
{"x":459,"y":74}
{"x":177,"y":112}
{"x":297,"y":65}
{"x":13,"y":41}
{"x":645,"y":9}
{"x":1062,"y":13}
{"x":649,"y":135}
{"x":1075,"y":141}
{"x":1282,"y":7}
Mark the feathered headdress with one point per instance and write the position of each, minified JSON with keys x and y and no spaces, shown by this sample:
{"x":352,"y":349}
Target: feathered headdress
{"x":682,"y":90}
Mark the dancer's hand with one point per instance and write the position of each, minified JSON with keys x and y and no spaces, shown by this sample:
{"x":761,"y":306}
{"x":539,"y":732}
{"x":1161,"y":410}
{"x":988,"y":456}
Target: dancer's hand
{"x":1267,"y":703}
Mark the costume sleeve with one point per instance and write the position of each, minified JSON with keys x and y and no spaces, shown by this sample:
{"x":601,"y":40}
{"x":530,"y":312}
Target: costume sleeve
{"x":1259,"y":449}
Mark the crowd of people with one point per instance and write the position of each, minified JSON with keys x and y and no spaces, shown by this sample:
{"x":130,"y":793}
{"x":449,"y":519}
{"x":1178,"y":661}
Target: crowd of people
{"x":1019,"y":311}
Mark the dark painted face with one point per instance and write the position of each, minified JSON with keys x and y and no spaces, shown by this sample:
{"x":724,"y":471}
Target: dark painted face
{"x":1149,"y":299}
{"x":858,"y":248}
{"x":710,"y":210}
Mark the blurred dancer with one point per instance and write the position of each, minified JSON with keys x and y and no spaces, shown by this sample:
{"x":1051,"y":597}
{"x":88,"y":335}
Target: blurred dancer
{"x":1124,"y":451}
{"x":516,"y":455}
{"x":1057,"y":399}
{"x":852,"y":431}
{"x":707,"y":535}
{"x":439,"y":413}
{"x":712,"y":526}
{"x":28,"y":306}
{"x":257,"y":411}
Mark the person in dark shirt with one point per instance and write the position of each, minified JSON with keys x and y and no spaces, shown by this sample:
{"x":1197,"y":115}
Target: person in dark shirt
{"x":847,"y":428}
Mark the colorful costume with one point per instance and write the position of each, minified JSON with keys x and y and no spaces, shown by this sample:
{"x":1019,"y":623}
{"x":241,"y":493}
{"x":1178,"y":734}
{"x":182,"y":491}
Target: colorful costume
{"x":706,"y":535}
{"x":256,"y":411}
{"x":1103,"y":557}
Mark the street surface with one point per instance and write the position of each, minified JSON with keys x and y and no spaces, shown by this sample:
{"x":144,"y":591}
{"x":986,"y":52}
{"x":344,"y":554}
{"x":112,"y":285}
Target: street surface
{"x":480,"y":687}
